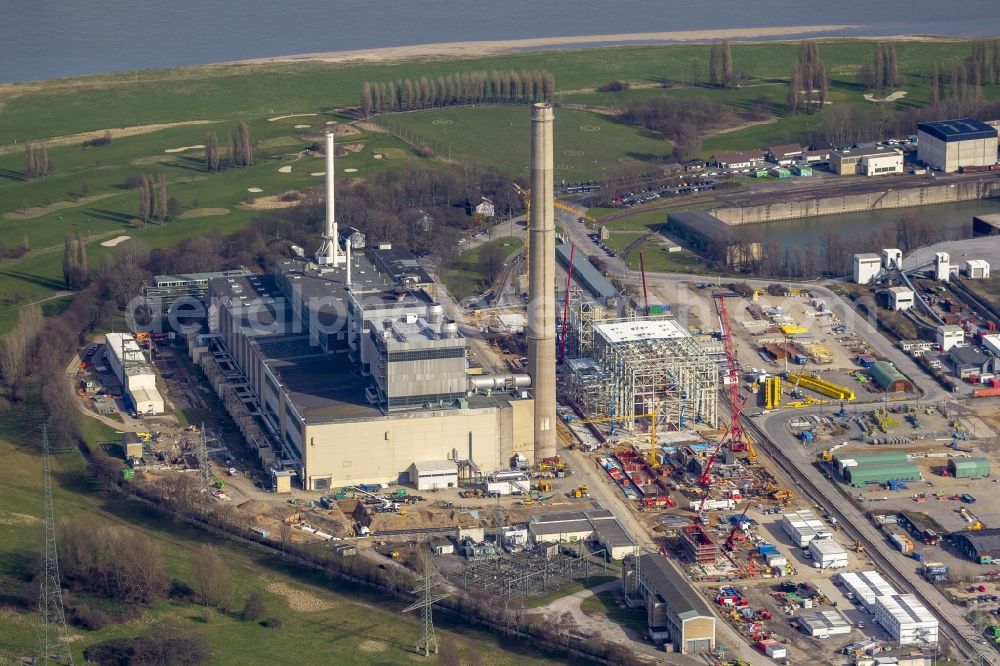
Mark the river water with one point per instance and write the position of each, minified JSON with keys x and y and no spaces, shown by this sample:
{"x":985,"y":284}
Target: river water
{"x":952,"y":217}
{"x":41,"y":39}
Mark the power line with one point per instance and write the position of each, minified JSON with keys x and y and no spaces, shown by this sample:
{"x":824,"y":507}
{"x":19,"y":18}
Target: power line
{"x":53,"y":640}
{"x":428,"y":638}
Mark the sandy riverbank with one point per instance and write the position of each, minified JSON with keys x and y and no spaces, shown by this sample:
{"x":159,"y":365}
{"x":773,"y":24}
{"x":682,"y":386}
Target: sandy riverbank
{"x":485,"y":48}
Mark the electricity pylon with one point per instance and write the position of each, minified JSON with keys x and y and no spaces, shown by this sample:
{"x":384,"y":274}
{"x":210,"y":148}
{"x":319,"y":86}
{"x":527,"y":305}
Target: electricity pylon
{"x":53,"y":639}
{"x":204,"y":466}
{"x":428,"y":639}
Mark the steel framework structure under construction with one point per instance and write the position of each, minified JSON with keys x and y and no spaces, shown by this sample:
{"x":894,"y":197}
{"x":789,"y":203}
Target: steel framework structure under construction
{"x":653,"y":364}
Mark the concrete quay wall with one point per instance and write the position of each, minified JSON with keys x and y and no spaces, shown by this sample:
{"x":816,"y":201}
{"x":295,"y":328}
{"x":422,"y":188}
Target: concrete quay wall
{"x":852,"y":203}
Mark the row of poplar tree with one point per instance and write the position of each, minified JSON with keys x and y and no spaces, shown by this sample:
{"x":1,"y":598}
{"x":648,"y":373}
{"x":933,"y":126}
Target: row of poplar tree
{"x":457,"y":89}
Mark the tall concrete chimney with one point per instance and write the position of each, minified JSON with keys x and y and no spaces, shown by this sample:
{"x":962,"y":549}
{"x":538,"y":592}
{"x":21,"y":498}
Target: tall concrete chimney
{"x":541,"y":283}
{"x":328,"y":254}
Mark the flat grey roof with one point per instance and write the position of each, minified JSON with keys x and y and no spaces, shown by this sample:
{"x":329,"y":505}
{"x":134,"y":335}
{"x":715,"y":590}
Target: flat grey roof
{"x":563,"y":527}
{"x":683,"y":600}
{"x":704,"y":223}
{"x":401,"y":264}
{"x":181,"y":278}
{"x":586,"y":273}
{"x":435,"y":466}
{"x":866,"y":151}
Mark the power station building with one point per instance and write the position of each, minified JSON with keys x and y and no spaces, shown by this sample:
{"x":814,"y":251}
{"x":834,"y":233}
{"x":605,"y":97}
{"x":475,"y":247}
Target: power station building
{"x":342,"y":371}
{"x":950,"y":144}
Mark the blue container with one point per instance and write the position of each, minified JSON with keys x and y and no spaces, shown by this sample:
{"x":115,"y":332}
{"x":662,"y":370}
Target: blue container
{"x":767,"y":549}
{"x":919,"y":557}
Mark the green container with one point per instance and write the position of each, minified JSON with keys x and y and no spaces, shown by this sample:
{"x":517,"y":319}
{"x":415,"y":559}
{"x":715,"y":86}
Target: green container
{"x":341,"y":496}
{"x":128,"y":473}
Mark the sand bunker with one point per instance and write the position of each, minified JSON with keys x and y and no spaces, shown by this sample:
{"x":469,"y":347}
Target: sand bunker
{"x":350,"y":170}
{"x":291,"y":115}
{"x":318,"y":173}
{"x":377,"y":156}
{"x":371,"y":646}
{"x":272,"y":202}
{"x":340,"y":129}
{"x":285,"y":169}
{"x":115,"y":241}
{"x":891,"y":97}
{"x":254,"y":189}
{"x":303,"y":126}
{"x":299,"y":600}
{"x":183,"y":148}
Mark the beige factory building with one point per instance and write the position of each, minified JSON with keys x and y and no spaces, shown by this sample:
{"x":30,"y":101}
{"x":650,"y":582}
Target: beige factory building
{"x":305,"y":365}
{"x":948,"y":145}
{"x":873,"y":161}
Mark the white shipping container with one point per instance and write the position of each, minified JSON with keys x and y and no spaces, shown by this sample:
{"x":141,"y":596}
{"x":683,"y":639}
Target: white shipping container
{"x":776,"y":651}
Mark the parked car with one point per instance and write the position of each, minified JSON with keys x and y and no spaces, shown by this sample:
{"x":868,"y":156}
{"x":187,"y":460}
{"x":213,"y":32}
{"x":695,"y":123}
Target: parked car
{"x":967,"y":498}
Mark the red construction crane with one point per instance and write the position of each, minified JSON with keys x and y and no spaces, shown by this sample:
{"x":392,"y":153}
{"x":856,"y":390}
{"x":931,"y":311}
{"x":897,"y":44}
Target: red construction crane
{"x":565,"y":327}
{"x":735,"y":404}
{"x":645,"y":294}
{"x":726,"y":437}
{"x":731,"y":539}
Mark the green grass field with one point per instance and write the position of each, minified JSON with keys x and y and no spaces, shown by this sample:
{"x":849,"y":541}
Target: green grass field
{"x":606,"y":604}
{"x":85,"y":195}
{"x":465,"y":277}
{"x":588,"y":145}
{"x":350,"y":625}
{"x":654,"y":255}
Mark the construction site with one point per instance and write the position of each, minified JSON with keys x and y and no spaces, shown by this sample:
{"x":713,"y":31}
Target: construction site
{"x":593,"y":435}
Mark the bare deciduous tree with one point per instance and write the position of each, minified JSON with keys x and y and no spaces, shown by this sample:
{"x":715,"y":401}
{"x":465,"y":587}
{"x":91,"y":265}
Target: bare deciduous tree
{"x":210,"y":578}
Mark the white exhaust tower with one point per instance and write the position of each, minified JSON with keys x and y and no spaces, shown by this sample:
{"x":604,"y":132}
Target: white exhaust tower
{"x":329,"y":252}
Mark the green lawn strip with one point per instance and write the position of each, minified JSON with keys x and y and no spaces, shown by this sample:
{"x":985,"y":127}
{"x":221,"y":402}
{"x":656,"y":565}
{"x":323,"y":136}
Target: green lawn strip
{"x":465,"y":277}
{"x":566,"y":590}
{"x":607,"y":604}
{"x":654,"y":255}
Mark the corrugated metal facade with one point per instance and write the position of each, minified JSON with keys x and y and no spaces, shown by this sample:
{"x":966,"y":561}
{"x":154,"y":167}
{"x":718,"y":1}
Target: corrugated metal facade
{"x":968,"y":468}
{"x":881,"y":473}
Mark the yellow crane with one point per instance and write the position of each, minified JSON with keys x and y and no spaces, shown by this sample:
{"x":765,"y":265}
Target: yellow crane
{"x":653,"y":460}
{"x":527,"y":220}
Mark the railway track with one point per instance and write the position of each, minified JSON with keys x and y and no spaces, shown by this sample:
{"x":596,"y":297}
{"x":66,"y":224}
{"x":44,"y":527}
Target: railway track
{"x":874,"y":547}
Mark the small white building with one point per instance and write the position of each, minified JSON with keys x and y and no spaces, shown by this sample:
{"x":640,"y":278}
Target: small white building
{"x":442,"y":547}
{"x":949,"y":336}
{"x":803,"y":526}
{"x":823,"y":624}
{"x":977,"y":269}
{"x":906,"y":619}
{"x":991,"y":343}
{"x":434,"y":474}
{"x":828,"y":554}
{"x":942,"y":266}
{"x":868,"y":161}
{"x":892,"y":256}
{"x":901,"y":298}
{"x":866,"y":267}
{"x":134,"y":372}
{"x":866,"y":587}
